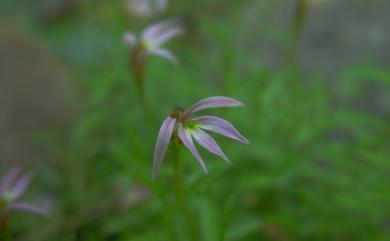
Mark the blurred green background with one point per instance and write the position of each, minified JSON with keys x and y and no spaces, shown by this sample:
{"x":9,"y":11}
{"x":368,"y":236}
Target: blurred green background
{"x":314,"y":77}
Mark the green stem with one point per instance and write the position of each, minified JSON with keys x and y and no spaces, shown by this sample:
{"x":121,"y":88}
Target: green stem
{"x":298,"y":19}
{"x":4,"y":232}
{"x":137,"y":66}
{"x":180,"y":195}
{"x":145,"y":109}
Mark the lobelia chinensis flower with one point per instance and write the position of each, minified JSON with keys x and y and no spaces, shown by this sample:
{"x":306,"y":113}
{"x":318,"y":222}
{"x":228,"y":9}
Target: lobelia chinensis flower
{"x":181,"y":123}
{"x":11,"y":188}
{"x":149,"y":43}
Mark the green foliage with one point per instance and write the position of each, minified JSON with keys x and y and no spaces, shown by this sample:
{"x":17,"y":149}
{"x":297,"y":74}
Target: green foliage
{"x":317,"y":167}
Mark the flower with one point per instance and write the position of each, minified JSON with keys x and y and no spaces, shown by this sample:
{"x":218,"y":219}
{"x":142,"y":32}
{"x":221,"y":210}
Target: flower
{"x":146,"y":8}
{"x":151,"y":40}
{"x":11,"y":189}
{"x":189,"y":129}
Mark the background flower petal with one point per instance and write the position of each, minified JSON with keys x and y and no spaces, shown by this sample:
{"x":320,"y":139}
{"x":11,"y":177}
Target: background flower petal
{"x":186,"y":138}
{"x":156,"y":29}
{"x":152,"y":30}
{"x":28,"y":207}
{"x":220,"y":126}
{"x":130,"y":38}
{"x":162,"y":143}
{"x":165,"y":54}
{"x":167,"y":35}
{"x":206,"y":141}
{"x":8,"y":179}
{"x":20,"y":186}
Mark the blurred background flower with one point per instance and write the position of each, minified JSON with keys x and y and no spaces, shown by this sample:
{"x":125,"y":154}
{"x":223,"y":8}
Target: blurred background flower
{"x":12,"y":188}
{"x":146,"y":8}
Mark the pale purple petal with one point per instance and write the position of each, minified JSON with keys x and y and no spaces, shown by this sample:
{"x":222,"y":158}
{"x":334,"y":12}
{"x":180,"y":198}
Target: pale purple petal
{"x":8,"y":179}
{"x":213,"y":102}
{"x":186,"y":138}
{"x":20,"y":186}
{"x":167,"y":35}
{"x":220,"y":126}
{"x":154,"y":30}
{"x":130,"y":38}
{"x":163,"y":139}
{"x":165,"y":54}
{"x":206,"y":141}
{"x":158,"y":33}
{"x":29,"y":208}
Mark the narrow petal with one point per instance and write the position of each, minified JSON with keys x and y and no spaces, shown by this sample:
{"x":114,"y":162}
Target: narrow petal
{"x":221,"y":127}
{"x":165,"y":54}
{"x":28,"y":207}
{"x":20,"y":186}
{"x":8,"y":179}
{"x":186,"y":138}
{"x":213,"y":102}
{"x":130,"y":38}
{"x":167,"y":35}
{"x":207,"y":142}
{"x":163,"y":139}
{"x":152,"y":31}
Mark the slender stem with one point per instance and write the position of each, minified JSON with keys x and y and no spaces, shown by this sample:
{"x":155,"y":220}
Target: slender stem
{"x":137,"y":64}
{"x":4,"y":232}
{"x":180,"y":195}
{"x":298,"y":19}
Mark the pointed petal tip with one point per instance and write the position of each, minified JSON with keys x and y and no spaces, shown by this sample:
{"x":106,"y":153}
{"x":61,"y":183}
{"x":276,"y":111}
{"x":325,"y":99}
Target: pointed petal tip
{"x":207,"y":142}
{"x":227,"y":160}
{"x":21,"y":185}
{"x":186,"y":139}
{"x":220,"y":126}
{"x":28,"y":207}
{"x":245,"y":141}
{"x":214,"y":102}
{"x":166,"y":55}
{"x":8,"y":178}
{"x":162,"y":143}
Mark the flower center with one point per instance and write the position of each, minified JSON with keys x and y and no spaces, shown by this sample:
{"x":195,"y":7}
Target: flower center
{"x":190,"y":125}
{"x":176,"y":112}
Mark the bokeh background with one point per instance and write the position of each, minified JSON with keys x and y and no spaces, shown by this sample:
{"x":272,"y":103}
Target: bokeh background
{"x":313,"y":74}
